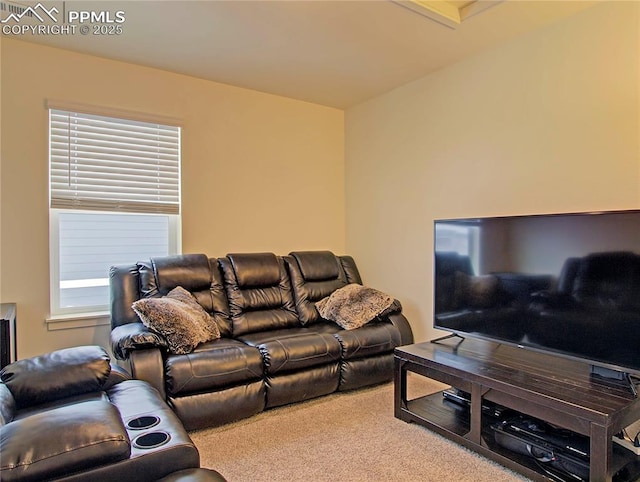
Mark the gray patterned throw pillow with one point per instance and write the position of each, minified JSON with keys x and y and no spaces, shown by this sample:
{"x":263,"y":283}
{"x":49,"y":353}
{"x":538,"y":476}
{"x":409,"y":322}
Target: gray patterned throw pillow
{"x":179,"y":318}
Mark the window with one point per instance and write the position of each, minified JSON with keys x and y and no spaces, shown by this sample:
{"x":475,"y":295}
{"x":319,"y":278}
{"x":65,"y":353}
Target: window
{"x":114,"y":188}
{"x":461,"y":239}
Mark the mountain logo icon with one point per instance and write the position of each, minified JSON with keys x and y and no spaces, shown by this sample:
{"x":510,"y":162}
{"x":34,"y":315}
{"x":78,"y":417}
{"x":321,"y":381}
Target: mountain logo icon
{"x":39,"y":12}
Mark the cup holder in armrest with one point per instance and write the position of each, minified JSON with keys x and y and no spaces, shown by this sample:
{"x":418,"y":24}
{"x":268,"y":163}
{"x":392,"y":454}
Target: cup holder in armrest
{"x":146,"y":421}
{"x":151,"y":440}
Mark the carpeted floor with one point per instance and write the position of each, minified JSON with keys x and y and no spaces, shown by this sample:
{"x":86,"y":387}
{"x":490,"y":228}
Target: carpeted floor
{"x":343,"y":437}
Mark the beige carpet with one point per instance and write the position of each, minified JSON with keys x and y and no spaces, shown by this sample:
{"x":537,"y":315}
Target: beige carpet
{"x":346,"y":437}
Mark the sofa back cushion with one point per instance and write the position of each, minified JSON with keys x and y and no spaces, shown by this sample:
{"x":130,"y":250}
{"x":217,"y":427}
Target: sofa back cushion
{"x":259,"y":292}
{"x":314,"y":276}
{"x":317,"y":265}
{"x":195,"y":273}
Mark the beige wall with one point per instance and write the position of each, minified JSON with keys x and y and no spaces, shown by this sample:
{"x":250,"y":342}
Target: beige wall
{"x":259,"y":172}
{"x":546,"y":123}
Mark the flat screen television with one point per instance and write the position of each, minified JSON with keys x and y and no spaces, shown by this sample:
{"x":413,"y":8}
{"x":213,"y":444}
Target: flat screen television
{"x":562,"y":283}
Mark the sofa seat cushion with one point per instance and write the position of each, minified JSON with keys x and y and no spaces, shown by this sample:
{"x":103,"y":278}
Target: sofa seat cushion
{"x":213,"y":365}
{"x":62,"y":441}
{"x":63,"y":402}
{"x":294,"y":349}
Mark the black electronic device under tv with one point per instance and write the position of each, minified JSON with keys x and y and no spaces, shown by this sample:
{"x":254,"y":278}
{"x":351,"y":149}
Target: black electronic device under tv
{"x":562,"y":283}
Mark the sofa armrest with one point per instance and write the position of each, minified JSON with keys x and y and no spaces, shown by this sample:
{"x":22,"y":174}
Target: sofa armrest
{"x":398,"y":320}
{"x":117,"y":375}
{"x":141,"y":347}
{"x":148,"y":365}
{"x":56,"y":375}
{"x":134,"y":336}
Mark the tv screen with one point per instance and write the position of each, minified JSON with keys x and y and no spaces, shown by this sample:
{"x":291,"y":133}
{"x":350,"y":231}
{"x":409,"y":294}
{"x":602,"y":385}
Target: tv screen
{"x":563,"y":283}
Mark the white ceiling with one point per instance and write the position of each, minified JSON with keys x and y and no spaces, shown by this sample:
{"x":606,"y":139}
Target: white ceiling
{"x":335,"y":53}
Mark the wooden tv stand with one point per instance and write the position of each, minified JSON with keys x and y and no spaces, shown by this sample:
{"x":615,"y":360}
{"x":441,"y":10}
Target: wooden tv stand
{"x":554,"y":389}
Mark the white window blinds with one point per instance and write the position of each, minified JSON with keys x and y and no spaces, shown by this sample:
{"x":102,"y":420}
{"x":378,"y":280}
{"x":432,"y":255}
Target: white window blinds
{"x":111,"y":164}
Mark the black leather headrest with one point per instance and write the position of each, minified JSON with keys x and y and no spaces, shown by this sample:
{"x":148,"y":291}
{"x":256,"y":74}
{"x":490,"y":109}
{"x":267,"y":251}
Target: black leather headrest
{"x":59,"y":374}
{"x":191,"y":271}
{"x":255,"y":269}
{"x":317,"y":265}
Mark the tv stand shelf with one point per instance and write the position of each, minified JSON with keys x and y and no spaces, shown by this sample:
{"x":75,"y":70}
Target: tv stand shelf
{"x":557,"y":390}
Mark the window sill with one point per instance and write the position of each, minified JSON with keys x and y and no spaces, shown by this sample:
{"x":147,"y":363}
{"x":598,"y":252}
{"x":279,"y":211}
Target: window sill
{"x":77,"y":320}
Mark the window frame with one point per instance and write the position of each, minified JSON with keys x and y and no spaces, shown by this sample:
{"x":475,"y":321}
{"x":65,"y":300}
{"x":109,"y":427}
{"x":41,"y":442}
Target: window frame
{"x":68,"y":315}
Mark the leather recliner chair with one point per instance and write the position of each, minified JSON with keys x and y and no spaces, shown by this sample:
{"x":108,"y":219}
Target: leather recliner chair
{"x":69,"y":415}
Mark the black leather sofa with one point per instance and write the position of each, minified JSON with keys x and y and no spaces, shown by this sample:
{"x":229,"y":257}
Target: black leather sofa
{"x":70,"y":416}
{"x":275,"y":349}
